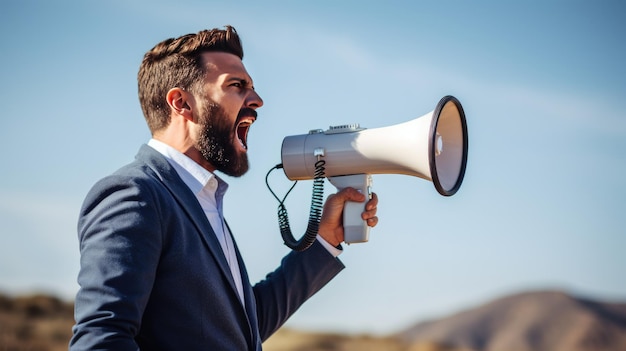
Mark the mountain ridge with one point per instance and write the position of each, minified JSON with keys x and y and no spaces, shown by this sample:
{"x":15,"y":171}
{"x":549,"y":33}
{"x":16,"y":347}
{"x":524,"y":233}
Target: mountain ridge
{"x":549,"y":320}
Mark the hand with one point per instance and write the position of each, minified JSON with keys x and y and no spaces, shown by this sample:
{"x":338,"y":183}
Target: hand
{"x":331,"y":223}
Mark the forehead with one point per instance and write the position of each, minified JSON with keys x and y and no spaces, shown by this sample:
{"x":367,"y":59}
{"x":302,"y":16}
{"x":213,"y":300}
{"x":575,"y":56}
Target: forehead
{"x":222,"y":64}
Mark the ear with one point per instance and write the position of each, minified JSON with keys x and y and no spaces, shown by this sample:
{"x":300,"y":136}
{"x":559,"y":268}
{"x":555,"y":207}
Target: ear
{"x":180,"y":102}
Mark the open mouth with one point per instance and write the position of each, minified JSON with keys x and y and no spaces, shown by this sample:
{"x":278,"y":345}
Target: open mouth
{"x":243,"y":127}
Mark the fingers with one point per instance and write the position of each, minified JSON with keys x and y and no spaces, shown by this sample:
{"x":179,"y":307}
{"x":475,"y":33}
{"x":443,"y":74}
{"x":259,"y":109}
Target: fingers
{"x":372,"y":203}
{"x":349,"y":194}
{"x":371,"y":208}
{"x":372,"y":222}
{"x":335,"y":204}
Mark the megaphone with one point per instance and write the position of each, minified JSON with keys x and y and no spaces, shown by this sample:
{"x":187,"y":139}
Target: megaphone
{"x":432,"y":147}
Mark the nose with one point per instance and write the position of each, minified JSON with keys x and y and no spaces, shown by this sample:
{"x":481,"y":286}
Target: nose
{"x":253,"y":100}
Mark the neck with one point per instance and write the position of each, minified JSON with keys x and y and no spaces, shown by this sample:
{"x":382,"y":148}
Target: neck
{"x":183,"y":143}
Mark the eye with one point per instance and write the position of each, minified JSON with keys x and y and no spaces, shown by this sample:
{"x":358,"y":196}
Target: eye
{"x":239,"y":83}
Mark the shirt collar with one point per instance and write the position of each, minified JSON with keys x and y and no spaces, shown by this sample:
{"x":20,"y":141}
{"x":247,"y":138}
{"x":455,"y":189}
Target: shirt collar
{"x":192,"y":174}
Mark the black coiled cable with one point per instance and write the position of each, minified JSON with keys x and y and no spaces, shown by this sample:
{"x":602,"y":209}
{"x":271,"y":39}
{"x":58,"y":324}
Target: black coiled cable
{"x":315,"y":214}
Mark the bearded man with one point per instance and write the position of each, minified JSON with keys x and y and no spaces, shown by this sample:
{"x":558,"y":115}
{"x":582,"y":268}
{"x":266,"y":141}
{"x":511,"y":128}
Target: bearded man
{"x":160,"y":269}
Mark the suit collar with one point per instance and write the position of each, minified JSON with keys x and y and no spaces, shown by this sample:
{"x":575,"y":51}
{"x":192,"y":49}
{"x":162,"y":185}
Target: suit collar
{"x":195,"y":176}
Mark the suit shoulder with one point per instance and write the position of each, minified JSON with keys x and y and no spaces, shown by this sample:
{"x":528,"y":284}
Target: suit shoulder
{"x":137,"y":180}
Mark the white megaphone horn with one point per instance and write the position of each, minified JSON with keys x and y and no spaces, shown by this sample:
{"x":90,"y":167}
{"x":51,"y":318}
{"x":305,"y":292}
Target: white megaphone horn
{"x":433,"y":147}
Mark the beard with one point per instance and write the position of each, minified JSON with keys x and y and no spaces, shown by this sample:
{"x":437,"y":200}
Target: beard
{"x":216,"y":143}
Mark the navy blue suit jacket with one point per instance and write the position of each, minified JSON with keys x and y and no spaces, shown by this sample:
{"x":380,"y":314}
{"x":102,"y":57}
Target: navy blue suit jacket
{"x":153,"y":275}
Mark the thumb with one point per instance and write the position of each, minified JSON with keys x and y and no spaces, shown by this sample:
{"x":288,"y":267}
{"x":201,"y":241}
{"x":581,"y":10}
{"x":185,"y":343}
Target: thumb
{"x":335,"y":202}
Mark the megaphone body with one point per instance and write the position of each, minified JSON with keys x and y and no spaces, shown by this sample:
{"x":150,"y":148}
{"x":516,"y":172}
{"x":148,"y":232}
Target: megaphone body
{"x":432,"y":147}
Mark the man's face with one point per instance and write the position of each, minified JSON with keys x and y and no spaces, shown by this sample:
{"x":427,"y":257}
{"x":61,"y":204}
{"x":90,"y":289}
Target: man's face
{"x":227,"y":110}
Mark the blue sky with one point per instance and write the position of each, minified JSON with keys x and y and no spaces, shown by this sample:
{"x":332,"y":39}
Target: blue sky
{"x":542,"y":84}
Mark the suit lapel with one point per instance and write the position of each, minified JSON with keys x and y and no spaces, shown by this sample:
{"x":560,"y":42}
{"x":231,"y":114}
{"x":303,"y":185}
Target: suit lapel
{"x":249,"y":299}
{"x":187,"y":200}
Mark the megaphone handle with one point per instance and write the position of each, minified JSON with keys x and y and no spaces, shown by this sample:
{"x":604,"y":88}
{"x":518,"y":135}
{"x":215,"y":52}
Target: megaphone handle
{"x":355,"y":229}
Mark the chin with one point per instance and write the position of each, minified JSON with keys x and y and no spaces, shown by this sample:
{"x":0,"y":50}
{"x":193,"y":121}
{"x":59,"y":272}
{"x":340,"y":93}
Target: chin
{"x":238,"y":168}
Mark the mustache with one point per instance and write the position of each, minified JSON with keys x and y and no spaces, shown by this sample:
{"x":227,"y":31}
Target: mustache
{"x":247,"y":112}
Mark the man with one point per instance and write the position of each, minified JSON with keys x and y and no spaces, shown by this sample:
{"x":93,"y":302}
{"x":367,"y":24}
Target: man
{"x":159,"y":267}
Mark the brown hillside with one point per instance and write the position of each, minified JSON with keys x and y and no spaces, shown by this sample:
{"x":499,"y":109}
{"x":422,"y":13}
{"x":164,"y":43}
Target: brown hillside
{"x":536,"y":321}
{"x":35,"y":323}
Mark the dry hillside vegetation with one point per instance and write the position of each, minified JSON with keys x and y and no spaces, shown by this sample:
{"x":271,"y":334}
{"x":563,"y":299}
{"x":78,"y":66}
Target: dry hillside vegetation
{"x":35,"y":323}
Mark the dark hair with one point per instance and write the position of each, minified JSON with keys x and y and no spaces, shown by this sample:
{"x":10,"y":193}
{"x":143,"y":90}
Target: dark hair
{"x":177,"y":62}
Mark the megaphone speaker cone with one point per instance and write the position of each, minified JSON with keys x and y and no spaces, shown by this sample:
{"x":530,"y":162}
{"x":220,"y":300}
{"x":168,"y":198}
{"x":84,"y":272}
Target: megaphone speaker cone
{"x":448,"y":146}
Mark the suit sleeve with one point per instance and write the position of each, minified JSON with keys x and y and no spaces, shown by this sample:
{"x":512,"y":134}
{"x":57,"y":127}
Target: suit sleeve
{"x":120,"y":243}
{"x":282,"y":292}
